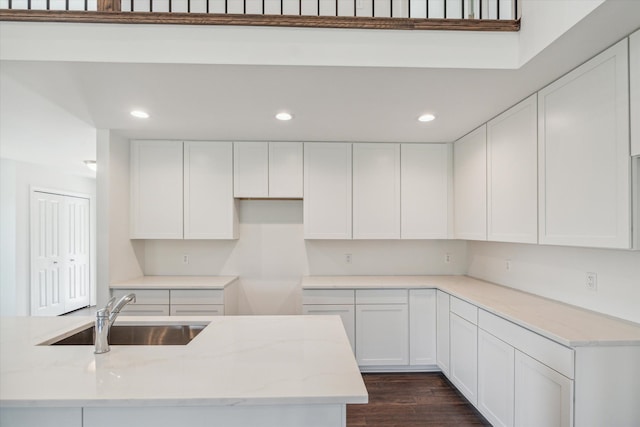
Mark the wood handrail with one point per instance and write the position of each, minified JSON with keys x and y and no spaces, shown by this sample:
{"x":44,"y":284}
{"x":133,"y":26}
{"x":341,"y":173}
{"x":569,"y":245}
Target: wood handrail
{"x":114,"y":16}
{"x":109,"y":5}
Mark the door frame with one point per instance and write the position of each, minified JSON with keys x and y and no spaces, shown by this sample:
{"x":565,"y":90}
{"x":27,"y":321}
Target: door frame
{"x":92,"y":235}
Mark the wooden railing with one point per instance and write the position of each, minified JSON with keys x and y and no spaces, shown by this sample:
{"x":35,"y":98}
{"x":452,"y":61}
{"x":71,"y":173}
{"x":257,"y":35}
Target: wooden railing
{"x":477,"y":15}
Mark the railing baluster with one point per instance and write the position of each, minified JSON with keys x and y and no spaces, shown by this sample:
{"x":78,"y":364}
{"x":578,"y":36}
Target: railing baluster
{"x":300,"y":7}
{"x":207,"y":6}
{"x":337,"y":7}
{"x":244,"y":6}
{"x":498,"y":8}
{"x":263,"y":7}
{"x":462,"y":9}
{"x":171,"y":5}
{"x":188,"y":6}
{"x":86,"y":5}
{"x":48,"y":4}
{"x":281,"y":7}
{"x":150,"y":5}
{"x":226,"y":6}
{"x":318,"y":7}
{"x":445,"y":9}
{"x":427,"y":11}
{"x":28,"y":4}
{"x":66,"y":4}
{"x":515,"y":9}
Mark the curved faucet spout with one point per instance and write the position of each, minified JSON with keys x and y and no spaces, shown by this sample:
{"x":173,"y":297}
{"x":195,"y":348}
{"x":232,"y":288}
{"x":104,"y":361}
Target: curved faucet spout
{"x":119,"y":305}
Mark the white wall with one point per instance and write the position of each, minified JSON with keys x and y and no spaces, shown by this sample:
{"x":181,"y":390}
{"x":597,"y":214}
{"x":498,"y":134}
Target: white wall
{"x":271,"y":257}
{"x":7,"y":237}
{"x":15,"y":284}
{"x":118,"y":257}
{"x":559,"y":273}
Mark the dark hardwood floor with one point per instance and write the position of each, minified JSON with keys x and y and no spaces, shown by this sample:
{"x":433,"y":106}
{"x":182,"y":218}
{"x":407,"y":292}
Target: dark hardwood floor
{"x":413,"y":400}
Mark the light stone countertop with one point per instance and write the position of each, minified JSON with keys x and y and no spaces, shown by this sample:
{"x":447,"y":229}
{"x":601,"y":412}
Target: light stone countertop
{"x":566,"y":324}
{"x":235,"y":360}
{"x":176,"y":282}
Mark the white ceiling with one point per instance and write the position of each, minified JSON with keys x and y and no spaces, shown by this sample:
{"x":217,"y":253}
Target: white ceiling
{"x":238,"y":102}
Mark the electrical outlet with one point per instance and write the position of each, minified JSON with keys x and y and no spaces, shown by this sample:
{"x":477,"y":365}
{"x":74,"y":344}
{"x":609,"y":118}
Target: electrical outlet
{"x":507,"y":265}
{"x":447,"y":258}
{"x":185,"y":259}
{"x":347,"y":258}
{"x":592,"y":281}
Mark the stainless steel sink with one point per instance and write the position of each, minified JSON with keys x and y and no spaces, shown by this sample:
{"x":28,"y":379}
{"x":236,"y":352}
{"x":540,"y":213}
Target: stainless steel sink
{"x":138,"y":335}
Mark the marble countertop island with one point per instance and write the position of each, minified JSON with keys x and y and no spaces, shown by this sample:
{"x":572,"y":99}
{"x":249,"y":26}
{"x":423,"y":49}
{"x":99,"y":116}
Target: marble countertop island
{"x":236,"y":361}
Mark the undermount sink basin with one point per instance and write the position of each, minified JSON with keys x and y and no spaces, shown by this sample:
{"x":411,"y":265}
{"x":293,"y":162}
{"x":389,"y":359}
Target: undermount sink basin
{"x":138,"y":335}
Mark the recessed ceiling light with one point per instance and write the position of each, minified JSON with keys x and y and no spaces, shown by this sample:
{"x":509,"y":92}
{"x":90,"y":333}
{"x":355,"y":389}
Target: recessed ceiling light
{"x":140,"y":114}
{"x":426,"y":118}
{"x":284,"y":116}
{"x":91,"y":164}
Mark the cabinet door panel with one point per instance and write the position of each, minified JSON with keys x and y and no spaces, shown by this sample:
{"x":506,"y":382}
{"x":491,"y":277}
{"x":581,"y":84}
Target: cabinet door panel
{"x":382,"y":336}
{"x":495,"y":379}
{"x":634,"y":81}
{"x":543,"y":397}
{"x":584,"y":169}
{"x":327,"y":191}
{"x":512,"y":174}
{"x":425,"y":180}
{"x":422,"y":326}
{"x":285,"y":169}
{"x":156,"y":190}
{"x":464,"y":357}
{"x":470,"y":185}
{"x":346,"y":313}
{"x":250,"y":169}
{"x":209,"y":207}
{"x":376,"y":191}
{"x":442,"y":344}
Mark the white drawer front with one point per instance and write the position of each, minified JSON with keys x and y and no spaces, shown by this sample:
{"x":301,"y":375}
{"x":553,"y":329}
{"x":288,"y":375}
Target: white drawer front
{"x":327,"y":296}
{"x":382,"y":296}
{"x":197,"y":310}
{"x":197,"y":296}
{"x":144,"y":296}
{"x":146,"y":310}
{"x":465,"y":310}
{"x":552,"y":354}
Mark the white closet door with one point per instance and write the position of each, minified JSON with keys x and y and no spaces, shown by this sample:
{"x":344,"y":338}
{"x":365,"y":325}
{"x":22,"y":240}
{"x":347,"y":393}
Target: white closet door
{"x":47,"y":254}
{"x":76,"y":253}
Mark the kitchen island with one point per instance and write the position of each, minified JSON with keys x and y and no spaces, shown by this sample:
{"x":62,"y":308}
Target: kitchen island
{"x":239,"y":371}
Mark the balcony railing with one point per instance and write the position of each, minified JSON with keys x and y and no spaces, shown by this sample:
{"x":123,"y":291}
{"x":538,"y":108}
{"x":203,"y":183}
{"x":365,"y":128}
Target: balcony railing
{"x":490,"y":15}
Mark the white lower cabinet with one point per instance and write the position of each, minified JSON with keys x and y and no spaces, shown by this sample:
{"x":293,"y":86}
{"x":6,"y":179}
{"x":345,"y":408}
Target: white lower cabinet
{"x":346,"y":313}
{"x":495,"y":379}
{"x":177,"y":302}
{"x":442,"y":331}
{"x":422,"y":326}
{"x":388,"y":328}
{"x":382,"y":336}
{"x":543,"y":397}
{"x":464,"y":357}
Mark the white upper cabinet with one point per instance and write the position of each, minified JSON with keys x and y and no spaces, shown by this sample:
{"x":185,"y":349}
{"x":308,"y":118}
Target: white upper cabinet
{"x":425,"y":196}
{"x":512,"y":174}
{"x":634,"y":69}
{"x":285,"y":169}
{"x":470,"y":185}
{"x":584,"y":166}
{"x":251,"y":169}
{"x":376,"y":191}
{"x":267,"y":169}
{"x":209,"y":208}
{"x":182,"y":190}
{"x":156,"y":190}
{"x":327,"y":190}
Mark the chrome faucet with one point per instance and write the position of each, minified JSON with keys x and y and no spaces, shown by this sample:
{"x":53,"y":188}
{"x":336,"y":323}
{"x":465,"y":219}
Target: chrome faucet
{"x":105,"y":318}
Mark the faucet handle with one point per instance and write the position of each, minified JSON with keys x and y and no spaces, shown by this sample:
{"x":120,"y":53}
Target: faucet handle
{"x":103,"y":312}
